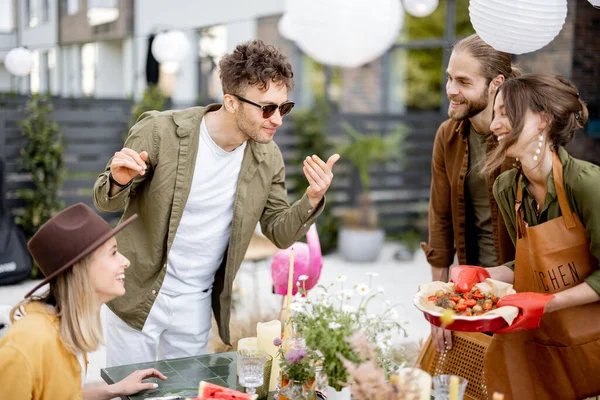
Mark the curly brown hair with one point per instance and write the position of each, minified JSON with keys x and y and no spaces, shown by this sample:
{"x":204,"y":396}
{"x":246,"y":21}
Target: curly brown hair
{"x":254,"y":63}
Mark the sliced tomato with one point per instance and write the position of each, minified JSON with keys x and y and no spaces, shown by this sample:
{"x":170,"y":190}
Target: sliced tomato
{"x":487,"y":306}
{"x":471,"y":302}
{"x":432,"y":298}
{"x":461,"y":307}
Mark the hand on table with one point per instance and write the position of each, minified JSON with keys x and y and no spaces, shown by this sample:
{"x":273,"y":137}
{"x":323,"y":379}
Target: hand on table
{"x":133,"y":383}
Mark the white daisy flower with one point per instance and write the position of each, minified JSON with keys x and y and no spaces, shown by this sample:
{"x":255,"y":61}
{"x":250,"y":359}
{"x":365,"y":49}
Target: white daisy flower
{"x":393,"y":314}
{"x":341,"y":278}
{"x":303,"y":277}
{"x":334,"y":325}
{"x":348,"y":308}
{"x":295,"y":306}
{"x":380,"y":289}
{"x":361,"y":289}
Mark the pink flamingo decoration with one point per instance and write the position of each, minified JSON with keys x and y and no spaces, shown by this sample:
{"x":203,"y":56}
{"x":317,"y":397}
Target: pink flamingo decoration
{"x":308,"y":261}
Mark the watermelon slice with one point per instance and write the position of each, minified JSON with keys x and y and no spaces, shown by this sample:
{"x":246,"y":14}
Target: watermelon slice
{"x":209,"y":390}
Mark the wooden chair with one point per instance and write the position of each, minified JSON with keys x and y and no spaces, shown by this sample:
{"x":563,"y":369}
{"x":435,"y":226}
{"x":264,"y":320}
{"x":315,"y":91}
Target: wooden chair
{"x":465,"y":359}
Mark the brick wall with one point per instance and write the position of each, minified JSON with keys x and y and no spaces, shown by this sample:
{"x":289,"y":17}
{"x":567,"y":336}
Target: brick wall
{"x":586,"y":76}
{"x":361,"y":89}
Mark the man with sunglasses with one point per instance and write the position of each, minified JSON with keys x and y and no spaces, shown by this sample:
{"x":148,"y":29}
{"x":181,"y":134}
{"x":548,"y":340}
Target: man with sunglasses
{"x":200,"y":180}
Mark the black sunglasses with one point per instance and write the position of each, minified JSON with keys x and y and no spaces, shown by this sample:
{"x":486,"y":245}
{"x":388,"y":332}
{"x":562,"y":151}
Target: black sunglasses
{"x":269,"y":109}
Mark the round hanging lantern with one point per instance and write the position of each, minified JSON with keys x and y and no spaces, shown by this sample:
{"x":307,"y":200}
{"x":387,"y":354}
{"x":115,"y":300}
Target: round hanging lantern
{"x":170,"y":47}
{"x":595,"y":3}
{"x":19,"y":61}
{"x":420,"y":8}
{"x":517,"y":26}
{"x":345,"y":33}
{"x":285,"y":27}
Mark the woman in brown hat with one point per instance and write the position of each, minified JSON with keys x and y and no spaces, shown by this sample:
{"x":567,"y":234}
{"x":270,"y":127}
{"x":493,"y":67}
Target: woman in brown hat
{"x":43,"y":354}
{"x":550,"y":204}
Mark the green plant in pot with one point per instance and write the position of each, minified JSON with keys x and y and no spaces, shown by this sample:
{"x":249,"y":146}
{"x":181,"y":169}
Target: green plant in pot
{"x":360,"y":237}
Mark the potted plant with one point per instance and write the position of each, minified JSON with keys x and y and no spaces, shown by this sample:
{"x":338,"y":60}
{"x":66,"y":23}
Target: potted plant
{"x":360,"y":237}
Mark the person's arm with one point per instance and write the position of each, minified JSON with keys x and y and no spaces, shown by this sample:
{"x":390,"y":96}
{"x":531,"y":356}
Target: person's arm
{"x":130,"y":385}
{"x":440,"y":250}
{"x":505,"y":273}
{"x":142,"y":138}
{"x":16,"y":377}
{"x":281,"y":223}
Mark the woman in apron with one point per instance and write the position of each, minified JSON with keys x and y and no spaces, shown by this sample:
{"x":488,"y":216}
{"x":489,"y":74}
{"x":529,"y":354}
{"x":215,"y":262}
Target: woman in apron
{"x":551,"y":205}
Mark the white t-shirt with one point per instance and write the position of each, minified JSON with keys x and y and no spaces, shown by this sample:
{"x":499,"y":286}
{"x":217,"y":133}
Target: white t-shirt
{"x":203,"y":234}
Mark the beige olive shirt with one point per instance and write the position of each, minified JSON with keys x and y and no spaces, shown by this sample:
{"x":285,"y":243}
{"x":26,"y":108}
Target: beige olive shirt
{"x":159,"y":197}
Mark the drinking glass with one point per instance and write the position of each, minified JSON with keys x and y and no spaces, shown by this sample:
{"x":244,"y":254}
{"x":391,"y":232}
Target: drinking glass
{"x":441,"y":387}
{"x":252,"y":368}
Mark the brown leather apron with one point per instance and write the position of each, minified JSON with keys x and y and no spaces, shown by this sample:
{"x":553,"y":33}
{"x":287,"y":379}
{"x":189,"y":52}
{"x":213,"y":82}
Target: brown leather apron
{"x":561,"y":359}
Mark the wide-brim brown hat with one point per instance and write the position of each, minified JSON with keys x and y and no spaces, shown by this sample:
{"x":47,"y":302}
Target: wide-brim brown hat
{"x":66,"y":238}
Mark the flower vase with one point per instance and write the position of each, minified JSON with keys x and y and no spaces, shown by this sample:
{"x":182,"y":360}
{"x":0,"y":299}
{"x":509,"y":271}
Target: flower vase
{"x":343,"y":394}
{"x":293,"y":390}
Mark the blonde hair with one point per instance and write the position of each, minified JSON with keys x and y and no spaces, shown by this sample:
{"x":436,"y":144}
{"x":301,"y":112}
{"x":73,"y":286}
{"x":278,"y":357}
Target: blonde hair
{"x":73,"y":299}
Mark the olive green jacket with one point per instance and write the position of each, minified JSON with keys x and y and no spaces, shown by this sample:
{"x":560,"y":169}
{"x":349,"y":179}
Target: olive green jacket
{"x":159,"y":197}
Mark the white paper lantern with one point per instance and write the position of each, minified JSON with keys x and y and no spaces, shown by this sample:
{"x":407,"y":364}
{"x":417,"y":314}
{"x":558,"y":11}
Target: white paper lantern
{"x":345,"y":33}
{"x":420,"y":8}
{"x":19,"y":61}
{"x":170,"y":47}
{"x":285,"y":27}
{"x":517,"y":26}
{"x":595,"y":3}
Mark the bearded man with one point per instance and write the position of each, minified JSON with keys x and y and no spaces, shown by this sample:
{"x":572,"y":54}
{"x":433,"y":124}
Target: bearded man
{"x":463,"y":216}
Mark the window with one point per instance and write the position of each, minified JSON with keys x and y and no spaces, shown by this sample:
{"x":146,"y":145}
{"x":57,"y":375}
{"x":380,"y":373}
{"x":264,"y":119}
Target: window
{"x":100,"y":12}
{"x":70,"y":7}
{"x":88,"y":68}
{"x":211,"y":47}
{"x":7,"y":16}
{"x":416,"y":63}
{"x":45,"y":10}
{"x":31,"y":14}
{"x":34,"y":76}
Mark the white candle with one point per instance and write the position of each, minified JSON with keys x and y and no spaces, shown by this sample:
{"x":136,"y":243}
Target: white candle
{"x":454,"y":387}
{"x":246,"y":344}
{"x":417,"y":379}
{"x":266,"y":333}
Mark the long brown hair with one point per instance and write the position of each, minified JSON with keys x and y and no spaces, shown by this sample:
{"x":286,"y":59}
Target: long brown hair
{"x":72,"y":298}
{"x":552,"y":95}
{"x":492,"y":61}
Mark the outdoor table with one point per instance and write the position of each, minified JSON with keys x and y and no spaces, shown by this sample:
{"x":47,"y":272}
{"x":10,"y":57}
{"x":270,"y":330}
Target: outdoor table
{"x":184,"y":375}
